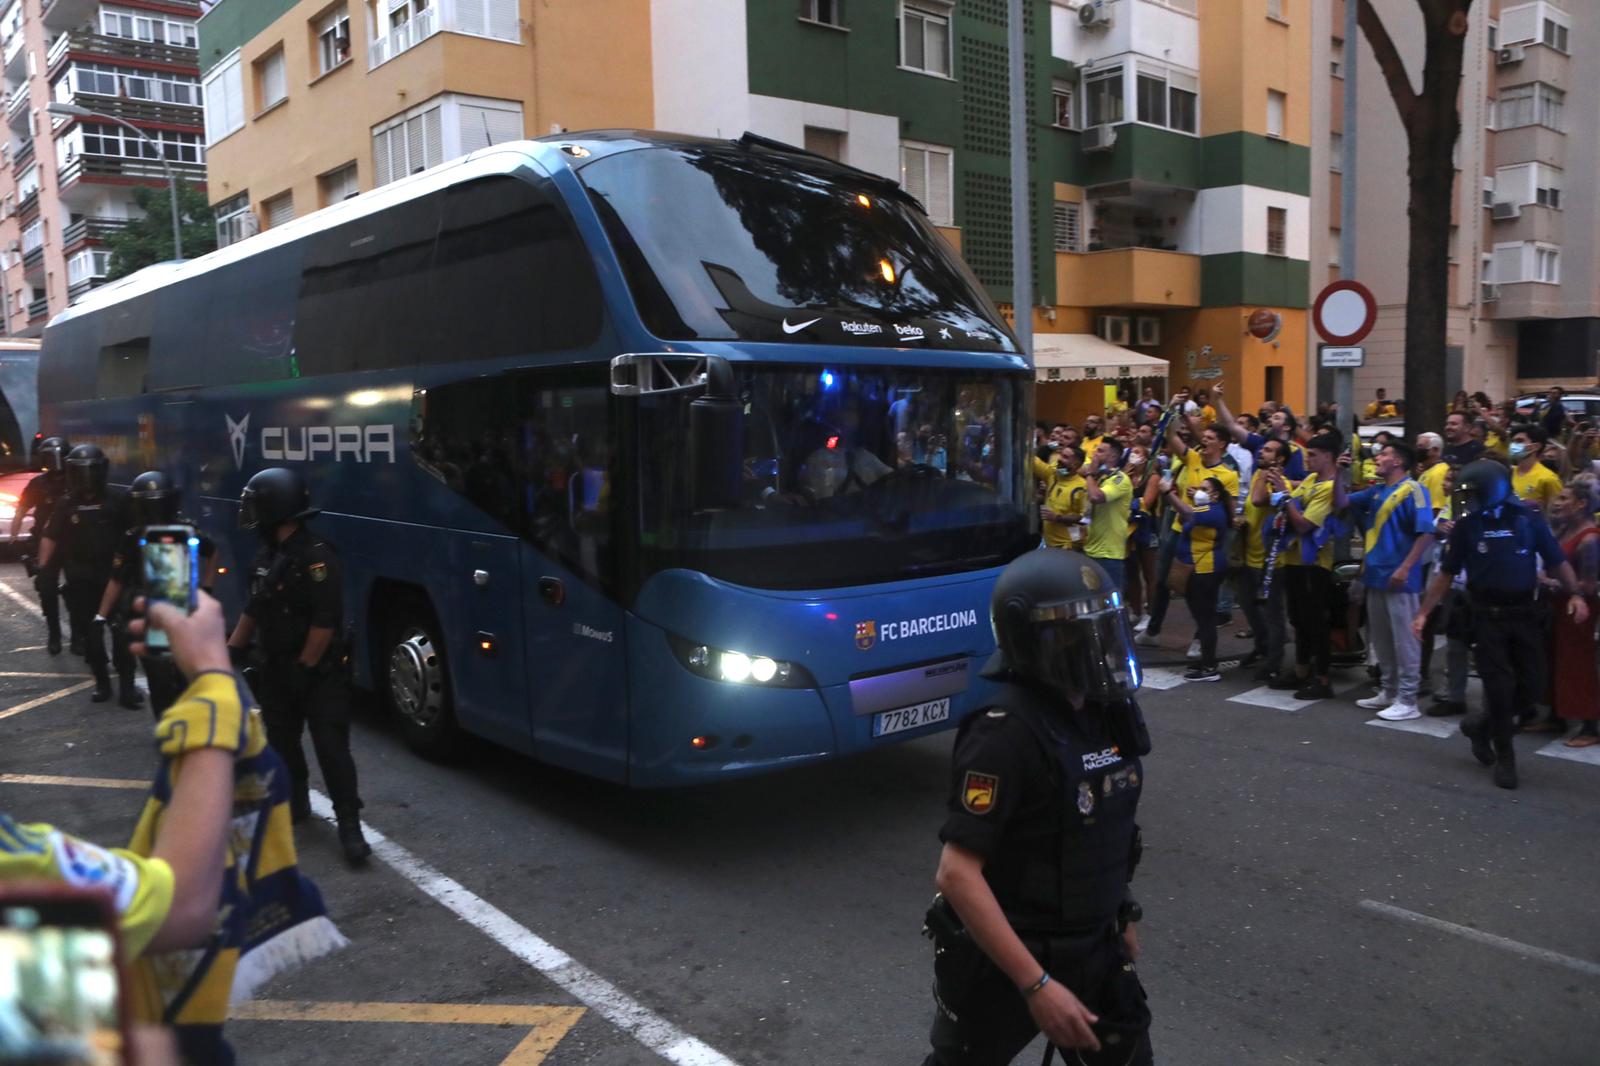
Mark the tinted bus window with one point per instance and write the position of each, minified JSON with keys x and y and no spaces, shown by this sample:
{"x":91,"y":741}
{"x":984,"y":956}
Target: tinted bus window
{"x":511,"y":275}
{"x":233,"y":324}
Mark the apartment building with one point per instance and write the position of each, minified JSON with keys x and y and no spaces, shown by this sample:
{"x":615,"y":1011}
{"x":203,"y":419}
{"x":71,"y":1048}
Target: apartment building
{"x":1524,"y":266}
{"x":1169,"y":141}
{"x":66,"y":183}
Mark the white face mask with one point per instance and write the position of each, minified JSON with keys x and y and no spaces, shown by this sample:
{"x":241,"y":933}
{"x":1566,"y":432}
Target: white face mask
{"x":1201,"y":498}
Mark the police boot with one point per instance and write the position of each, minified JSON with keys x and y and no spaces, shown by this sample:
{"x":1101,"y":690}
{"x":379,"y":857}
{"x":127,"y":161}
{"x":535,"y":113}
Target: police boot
{"x":1505,"y":769}
{"x":356,"y":848}
{"x":53,"y":641}
{"x":1475,"y":727}
{"x":102,"y":690}
{"x":299,"y":804}
{"x":127,"y":695}
{"x":76,"y":647}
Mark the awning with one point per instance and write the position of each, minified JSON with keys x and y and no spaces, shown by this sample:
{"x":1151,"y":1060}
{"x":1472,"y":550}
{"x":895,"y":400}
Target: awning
{"x":1085,"y":357}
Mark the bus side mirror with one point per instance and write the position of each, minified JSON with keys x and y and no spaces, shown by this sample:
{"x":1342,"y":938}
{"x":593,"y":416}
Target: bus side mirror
{"x":716,"y":442}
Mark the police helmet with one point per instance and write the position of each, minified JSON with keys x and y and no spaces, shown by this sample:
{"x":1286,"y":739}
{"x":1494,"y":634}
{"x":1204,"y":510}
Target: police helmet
{"x":1059,"y":622}
{"x":274,"y":496}
{"x":153,"y":499}
{"x":1482,"y":485}
{"x":87,"y":468}
{"x":50,"y":454}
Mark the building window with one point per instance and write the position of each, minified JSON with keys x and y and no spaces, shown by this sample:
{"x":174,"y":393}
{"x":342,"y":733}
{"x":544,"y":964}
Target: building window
{"x":1061,"y":101}
{"x":279,"y":210}
{"x":1103,"y":88}
{"x":1277,"y":231}
{"x":98,"y":139}
{"x":338,"y":185}
{"x":100,"y":79}
{"x":1547,"y":264}
{"x":1335,"y":238}
{"x":145,"y":26}
{"x":925,"y":38}
{"x":1336,"y":152}
{"x":1068,"y":226}
{"x":88,"y":265}
{"x":927,"y":173}
{"x":272,"y":80}
{"x":1554,"y":35}
{"x":224,"y":96}
{"x":1150,"y":93}
{"x":33,"y":236}
{"x":408,"y":145}
{"x":333,"y":39}
{"x":823,"y":11}
{"x":827,"y":143}
{"x":487,"y":123}
{"x":235,"y":221}
{"x":1336,"y":58}
{"x":1277,"y":105}
{"x":1534,"y":104}
{"x":1275,"y":10}
{"x":1494,"y":37}
{"x":1551,"y":107}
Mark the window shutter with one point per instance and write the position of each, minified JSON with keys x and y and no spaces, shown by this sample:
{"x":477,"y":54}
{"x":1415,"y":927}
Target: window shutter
{"x":484,"y":126}
{"x":233,"y":99}
{"x":416,"y":146}
{"x":1508,"y":263}
{"x":279,"y":211}
{"x":433,"y":128}
{"x":914,"y":173}
{"x":939,"y":198}
{"x":503,"y":20}
{"x":382,"y":172}
{"x":1068,"y":226}
{"x":472,"y":17}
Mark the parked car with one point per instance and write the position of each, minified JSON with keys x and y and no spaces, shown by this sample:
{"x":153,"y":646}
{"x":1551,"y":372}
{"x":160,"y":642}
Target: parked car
{"x":1582,"y":406}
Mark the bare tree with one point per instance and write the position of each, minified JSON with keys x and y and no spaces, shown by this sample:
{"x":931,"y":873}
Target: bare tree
{"x":1432,"y":120}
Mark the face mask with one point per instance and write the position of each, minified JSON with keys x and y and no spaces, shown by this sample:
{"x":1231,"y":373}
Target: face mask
{"x":1201,"y":498}
{"x":1518,"y":450}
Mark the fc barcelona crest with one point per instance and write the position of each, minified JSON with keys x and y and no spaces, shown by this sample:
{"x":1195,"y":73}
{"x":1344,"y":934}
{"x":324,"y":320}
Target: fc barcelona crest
{"x":866,"y":635}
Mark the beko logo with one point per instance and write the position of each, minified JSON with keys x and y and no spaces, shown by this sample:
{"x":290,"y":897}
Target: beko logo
{"x":910,"y":333}
{"x":309,"y":444}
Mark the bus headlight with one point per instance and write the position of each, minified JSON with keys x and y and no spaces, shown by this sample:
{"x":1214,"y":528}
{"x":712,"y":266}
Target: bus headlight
{"x":737,"y":667}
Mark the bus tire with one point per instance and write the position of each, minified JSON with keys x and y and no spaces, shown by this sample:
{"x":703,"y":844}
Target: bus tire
{"x":416,"y":683}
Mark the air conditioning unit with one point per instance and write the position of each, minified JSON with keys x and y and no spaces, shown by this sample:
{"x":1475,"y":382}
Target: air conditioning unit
{"x":1511,"y":53}
{"x":1112,"y":328}
{"x":1505,"y":212}
{"x":1488,"y":198}
{"x":1490,"y":293}
{"x":1147,"y":331}
{"x":1099,"y":138}
{"x":1094,"y":14}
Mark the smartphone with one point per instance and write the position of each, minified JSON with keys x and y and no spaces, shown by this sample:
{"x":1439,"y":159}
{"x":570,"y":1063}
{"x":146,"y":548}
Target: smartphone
{"x":61,"y":978}
{"x":171,"y":557}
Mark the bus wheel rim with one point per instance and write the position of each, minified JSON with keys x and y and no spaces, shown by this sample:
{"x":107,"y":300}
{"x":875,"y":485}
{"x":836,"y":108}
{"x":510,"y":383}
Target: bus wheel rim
{"x":415,"y":678}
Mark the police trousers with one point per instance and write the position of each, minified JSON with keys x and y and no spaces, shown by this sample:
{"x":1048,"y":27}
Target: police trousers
{"x":325,"y":709}
{"x":981,"y":1019}
{"x":48,"y":584}
{"x":165,"y":680}
{"x":83,"y":603}
{"x":1509,"y":647}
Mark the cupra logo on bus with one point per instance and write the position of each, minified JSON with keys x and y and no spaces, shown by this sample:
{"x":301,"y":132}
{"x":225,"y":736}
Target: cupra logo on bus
{"x":308,"y":444}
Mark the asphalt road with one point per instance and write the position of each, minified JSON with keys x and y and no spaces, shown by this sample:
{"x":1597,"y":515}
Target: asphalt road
{"x":777,"y":919}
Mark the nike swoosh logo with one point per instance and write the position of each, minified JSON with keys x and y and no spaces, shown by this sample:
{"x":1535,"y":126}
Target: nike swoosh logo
{"x":796,"y":329}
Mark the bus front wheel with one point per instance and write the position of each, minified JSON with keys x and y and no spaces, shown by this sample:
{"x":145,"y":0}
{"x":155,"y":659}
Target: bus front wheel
{"x":418,"y":684}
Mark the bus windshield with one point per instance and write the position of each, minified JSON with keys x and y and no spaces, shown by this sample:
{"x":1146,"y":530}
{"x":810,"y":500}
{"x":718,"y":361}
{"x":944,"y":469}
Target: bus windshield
{"x":724,"y":243}
{"x":851,"y":475}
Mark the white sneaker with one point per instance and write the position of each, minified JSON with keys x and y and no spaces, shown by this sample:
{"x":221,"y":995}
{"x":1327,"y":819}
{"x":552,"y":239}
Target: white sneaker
{"x":1194,"y":649}
{"x":1400,"y":712}
{"x":1142,"y":624}
{"x":1375,"y":703}
{"x":1145,"y":640}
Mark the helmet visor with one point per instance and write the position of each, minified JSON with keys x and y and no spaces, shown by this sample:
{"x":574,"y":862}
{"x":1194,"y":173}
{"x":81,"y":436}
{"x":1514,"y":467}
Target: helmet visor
{"x":249,"y":513}
{"x":1086,"y":647}
{"x":1465,"y":501}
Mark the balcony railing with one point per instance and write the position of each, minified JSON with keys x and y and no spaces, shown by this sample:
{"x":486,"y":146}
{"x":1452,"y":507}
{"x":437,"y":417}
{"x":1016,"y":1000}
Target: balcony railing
{"x":38,"y":308}
{"x":81,"y":42}
{"x":134,"y":110}
{"x":90,"y":167}
{"x":23,"y":157}
{"x":17,"y":102}
{"x":14,"y":46}
{"x":78,"y":288}
{"x":28,"y":201}
{"x":90,"y":229}
{"x":1128,"y":277}
{"x":32,"y":259}
{"x":418,"y":28}
{"x":441,"y":16}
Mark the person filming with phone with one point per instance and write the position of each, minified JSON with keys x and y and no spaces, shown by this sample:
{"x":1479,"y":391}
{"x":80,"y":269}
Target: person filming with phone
{"x":202,"y":917}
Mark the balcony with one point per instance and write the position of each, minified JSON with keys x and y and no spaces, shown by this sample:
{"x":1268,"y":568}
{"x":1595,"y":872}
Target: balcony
{"x":33,"y":260}
{"x":1128,"y":277}
{"x":28,"y":201}
{"x":439,"y":17}
{"x":78,"y":289}
{"x":94,"y":46}
{"x":130,"y":109}
{"x":38,"y":309}
{"x":15,"y":54}
{"x":67,"y":14}
{"x":87,"y":230}
{"x":23,"y":158}
{"x":84,"y":171}
{"x":17,"y":106}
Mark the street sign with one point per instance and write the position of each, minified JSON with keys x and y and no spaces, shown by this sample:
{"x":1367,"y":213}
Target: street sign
{"x":1347,"y":356}
{"x":1344,"y":312}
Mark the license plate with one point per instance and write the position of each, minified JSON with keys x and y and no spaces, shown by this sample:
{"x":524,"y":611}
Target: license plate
{"x":898,"y":721}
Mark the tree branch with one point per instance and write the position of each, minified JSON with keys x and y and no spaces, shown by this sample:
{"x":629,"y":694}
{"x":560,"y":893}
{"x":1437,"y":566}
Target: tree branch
{"x":1389,"y":61}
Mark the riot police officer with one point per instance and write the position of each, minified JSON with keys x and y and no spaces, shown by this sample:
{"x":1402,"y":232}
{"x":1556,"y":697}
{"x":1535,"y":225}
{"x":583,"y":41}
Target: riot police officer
{"x":153,"y":500}
{"x":295,"y":613}
{"x":40,"y":496}
{"x":1034,"y":926}
{"x":80,"y":542}
{"x":1497,"y":540}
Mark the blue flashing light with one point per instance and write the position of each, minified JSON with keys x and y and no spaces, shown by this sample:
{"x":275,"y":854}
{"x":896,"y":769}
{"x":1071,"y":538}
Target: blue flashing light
{"x":828,"y":379}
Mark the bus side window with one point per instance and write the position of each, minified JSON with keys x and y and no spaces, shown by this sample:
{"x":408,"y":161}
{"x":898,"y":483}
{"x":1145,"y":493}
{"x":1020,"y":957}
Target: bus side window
{"x":461,"y":433}
{"x":565,"y":451}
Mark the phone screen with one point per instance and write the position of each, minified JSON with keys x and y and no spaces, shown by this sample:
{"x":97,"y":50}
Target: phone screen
{"x":59,"y":989}
{"x":171,"y":556}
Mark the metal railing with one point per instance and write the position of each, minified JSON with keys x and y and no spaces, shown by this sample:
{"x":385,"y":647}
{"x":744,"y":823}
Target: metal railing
{"x":91,"y":229}
{"x":39,"y":308}
{"x":136,"y":110}
{"x":418,"y":28}
{"x":17,"y":102}
{"x":82,"y":42}
{"x":83,"y":167}
{"x":23,"y":157}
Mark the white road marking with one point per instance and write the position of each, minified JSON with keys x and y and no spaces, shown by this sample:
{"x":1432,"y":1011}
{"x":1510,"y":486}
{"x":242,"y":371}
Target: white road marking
{"x":1556,"y":749}
{"x":1161,"y":678}
{"x":75,"y":782}
{"x":31,"y":673}
{"x":1267,"y":696}
{"x":1516,"y":947}
{"x":31,"y":647}
{"x":1428,"y":727}
{"x":20,"y":600}
{"x":594,"y":991}
{"x":48,"y":698}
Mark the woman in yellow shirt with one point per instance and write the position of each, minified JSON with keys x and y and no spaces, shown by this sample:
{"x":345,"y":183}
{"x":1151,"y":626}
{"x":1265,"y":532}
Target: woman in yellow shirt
{"x":1205,"y":516}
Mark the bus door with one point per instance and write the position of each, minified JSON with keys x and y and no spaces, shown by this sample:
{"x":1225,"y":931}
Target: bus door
{"x":576,"y":663}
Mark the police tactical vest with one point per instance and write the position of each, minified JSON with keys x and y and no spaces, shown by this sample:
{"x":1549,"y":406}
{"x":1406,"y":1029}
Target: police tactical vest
{"x":1098,"y":784}
{"x":91,"y":541}
{"x":281,"y":583}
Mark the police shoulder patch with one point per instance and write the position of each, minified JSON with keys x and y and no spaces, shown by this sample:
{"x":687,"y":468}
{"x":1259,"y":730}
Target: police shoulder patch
{"x":978,"y":791}
{"x":319,"y":571}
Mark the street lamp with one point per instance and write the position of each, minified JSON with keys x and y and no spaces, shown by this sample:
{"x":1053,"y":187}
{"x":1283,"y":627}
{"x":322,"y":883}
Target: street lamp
{"x":74,"y":111}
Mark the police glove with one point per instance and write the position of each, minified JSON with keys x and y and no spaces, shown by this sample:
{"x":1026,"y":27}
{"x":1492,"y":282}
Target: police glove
{"x":301,"y":681}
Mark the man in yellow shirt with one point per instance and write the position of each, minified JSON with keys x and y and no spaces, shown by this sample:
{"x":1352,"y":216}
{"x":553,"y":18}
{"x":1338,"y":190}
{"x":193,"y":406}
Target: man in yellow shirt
{"x":1431,"y":467}
{"x":1307,"y":561}
{"x":1110,"y":497}
{"x":1064,"y":500}
{"x":1267,"y":620}
{"x":1531,"y":480}
{"x":1381,"y":407}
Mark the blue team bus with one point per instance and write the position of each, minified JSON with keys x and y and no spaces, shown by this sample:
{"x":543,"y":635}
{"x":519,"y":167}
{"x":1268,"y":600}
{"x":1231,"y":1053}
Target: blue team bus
{"x":660,"y":458}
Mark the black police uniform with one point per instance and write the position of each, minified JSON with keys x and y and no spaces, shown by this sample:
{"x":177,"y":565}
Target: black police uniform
{"x":166,"y":681}
{"x":86,"y":534}
{"x":1498,"y":548}
{"x":296,"y":586}
{"x":43,"y":495}
{"x":1047,"y":798}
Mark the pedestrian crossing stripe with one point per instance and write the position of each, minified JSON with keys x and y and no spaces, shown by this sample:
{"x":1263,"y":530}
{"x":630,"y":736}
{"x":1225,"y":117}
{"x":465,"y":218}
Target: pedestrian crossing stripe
{"x":548,"y":1024}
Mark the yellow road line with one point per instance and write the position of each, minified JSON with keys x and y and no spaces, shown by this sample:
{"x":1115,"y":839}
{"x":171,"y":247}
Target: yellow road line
{"x":77,"y":782}
{"x":549,"y":1024}
{"x":49,"y":698}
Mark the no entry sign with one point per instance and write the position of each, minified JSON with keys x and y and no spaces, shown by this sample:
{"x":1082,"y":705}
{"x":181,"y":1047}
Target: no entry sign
{"x":1344,"y":312}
